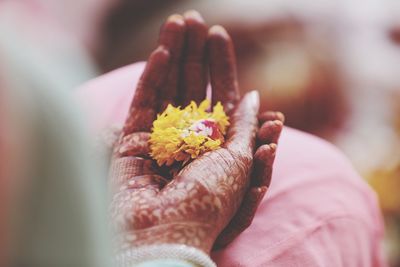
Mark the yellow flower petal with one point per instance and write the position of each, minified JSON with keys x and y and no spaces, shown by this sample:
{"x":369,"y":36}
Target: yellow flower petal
{"x":172,"y":138}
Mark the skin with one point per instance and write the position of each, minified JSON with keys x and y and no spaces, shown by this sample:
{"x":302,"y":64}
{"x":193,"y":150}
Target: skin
{"x":213,"y":198}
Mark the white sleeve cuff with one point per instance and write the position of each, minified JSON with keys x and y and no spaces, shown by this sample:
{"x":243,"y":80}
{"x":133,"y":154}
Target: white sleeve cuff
{"x":138,"y":255}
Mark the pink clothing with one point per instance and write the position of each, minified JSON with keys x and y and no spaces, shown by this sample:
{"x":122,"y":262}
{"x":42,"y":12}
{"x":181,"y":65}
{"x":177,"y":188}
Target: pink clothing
{"x":317,"y":212}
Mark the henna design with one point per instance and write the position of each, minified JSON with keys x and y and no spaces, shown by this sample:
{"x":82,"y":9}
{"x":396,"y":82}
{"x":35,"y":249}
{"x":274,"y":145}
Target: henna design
{"x":205,"y":197}
{"x":271,"y":116}
{"x":222,"y":68}
{"x":260,"y":178}
{"x":142,"y":110}
{"x":269,"y":132}
{"x":135,"y":144}
{"x":194,"y":68}
{"x":172,"y":37}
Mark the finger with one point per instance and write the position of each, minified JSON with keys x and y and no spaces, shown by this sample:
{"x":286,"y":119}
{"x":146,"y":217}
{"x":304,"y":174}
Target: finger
{"x":148,"y":181}
{"x":243,"y":218}
{"x":271,"y":116}
{"x":270,"y":132}
{"x":261,"y":178}
{"x":223,"y":75}
{"x":172,"y":37}
{"x":263,"y":163}
{"x":127,"y":168}
{"x":194,"y":82}
{"x":242,"y":132}
{"x":135,"y":144}
{"x":143,"y":109}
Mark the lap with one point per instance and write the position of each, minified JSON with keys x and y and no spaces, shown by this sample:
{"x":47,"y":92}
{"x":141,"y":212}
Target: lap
{"x":317,"y":211}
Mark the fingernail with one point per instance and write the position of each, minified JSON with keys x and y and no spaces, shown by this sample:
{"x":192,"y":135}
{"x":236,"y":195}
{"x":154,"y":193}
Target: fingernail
{"x":280,"y":116}
{"x":219,"y":30}
{"x":272,"y":147}
{"x":277,"y":123}
{"x":176,"y":18}
{"x":264,"y":151}
{"x":160,"y":55}
{"x":161,"y":50}
{"x":193,"y":14}
{"x":254,"y":97}
{"x":262,"y":190}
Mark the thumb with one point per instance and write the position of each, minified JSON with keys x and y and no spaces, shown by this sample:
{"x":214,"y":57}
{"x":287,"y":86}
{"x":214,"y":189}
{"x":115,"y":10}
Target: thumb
{"x":244,"y":124}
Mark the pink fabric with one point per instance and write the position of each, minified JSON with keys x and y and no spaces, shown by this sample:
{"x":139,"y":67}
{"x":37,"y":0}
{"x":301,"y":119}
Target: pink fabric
{"x":317,"y":212}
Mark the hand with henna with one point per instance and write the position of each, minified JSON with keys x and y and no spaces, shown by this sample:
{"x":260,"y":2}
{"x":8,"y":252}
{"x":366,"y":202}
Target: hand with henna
{"x":213,"y":198}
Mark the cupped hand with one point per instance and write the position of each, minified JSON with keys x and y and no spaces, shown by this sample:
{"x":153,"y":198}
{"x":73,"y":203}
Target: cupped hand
{"x":214,"y":197}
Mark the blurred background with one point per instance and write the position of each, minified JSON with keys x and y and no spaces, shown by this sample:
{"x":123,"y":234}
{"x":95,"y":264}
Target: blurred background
{"x":333,"y":67}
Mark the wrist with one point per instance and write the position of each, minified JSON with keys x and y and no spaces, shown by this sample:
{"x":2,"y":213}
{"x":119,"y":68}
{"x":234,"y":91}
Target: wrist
{"x":195,"y":235}
{"x":133,"y":257}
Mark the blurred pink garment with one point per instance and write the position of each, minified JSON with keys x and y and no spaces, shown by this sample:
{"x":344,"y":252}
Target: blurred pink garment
{"x":317,"y":212}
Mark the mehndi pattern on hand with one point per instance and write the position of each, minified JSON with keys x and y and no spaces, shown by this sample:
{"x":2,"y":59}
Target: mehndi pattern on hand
{"x":216,"y":194}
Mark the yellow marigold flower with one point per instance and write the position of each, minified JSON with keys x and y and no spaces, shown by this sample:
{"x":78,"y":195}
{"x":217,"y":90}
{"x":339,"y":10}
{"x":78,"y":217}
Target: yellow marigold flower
{"x":183,"y":134}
